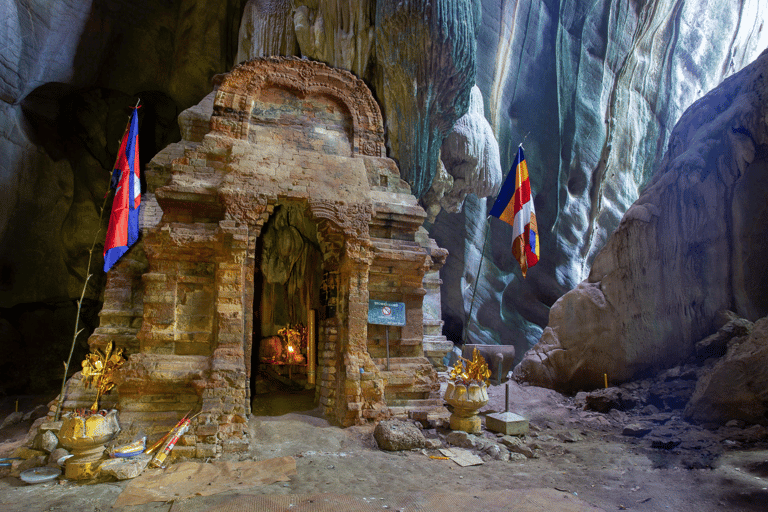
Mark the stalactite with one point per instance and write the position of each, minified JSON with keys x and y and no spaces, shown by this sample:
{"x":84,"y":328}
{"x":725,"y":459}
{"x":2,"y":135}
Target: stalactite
{"x":426,"y":52}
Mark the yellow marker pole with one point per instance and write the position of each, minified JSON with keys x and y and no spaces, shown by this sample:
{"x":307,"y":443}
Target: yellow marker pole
{"x":605,"y":378}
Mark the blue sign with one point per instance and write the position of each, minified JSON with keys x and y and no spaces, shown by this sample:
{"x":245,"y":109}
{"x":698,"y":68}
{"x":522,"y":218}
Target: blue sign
{"x":381,"y":312}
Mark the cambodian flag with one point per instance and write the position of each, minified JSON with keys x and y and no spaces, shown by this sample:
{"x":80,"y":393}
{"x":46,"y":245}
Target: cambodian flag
{"x":123,"y":228}
{"x":514,"y":205}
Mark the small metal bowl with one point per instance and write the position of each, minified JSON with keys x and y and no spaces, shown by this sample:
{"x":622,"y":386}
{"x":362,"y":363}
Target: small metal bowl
{"x":40,"y":475}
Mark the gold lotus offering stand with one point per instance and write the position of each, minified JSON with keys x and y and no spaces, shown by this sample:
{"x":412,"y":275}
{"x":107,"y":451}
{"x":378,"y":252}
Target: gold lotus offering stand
{"x":85,"y":432}
{"x":467,"y":393}
{"x":84,"y":435}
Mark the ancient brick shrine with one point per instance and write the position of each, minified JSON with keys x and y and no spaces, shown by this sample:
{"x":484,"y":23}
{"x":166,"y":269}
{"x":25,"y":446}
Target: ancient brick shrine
{"x":278,"y":209}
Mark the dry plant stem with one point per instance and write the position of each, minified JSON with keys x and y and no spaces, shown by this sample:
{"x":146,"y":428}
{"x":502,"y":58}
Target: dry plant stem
{"x":88,"y":276}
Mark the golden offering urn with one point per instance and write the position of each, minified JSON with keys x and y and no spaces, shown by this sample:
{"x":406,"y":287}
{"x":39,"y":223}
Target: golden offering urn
{"x":467,"y":393}
{"x":85,"y":432}
{"x":85,"y":436}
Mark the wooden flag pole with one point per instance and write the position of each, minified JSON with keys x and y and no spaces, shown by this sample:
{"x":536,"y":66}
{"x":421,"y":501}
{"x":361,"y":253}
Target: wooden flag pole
{"x":468,"y":320}
{"x":88,"y":275}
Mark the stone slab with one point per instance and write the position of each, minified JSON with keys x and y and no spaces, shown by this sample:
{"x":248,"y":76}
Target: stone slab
{"x":125,"y":468}
{"x":507,"y":423}
{"x":462,"y":457}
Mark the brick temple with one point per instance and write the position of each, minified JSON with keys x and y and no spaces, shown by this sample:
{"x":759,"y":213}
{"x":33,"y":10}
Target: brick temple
{"x":278,"y":208}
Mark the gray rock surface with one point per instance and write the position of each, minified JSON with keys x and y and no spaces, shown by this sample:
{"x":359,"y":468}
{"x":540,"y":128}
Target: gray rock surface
{"x":125,"y":468}
{"x":49,"y":441}
{"x":691,"y":245}
{"x":461,"y":439}
{"x":716,"y":345}
{"x":20,"y":466}
{"x":736,"y":388}
{"x":603,"y":400}
{"x":12,"y":419}
{"x":636,"y":430}
{"x":38,"y":412}
{"x":266,"y":29}
{"x":396,"y":435}
{"x":58,"y":453}
{"x":516,"y":445}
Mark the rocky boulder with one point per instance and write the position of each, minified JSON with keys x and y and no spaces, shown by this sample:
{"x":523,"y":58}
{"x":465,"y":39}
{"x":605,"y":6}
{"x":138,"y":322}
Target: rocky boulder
{"x":716,"y":345}
{"x":736,"y":388}
{"x":396,"y":435}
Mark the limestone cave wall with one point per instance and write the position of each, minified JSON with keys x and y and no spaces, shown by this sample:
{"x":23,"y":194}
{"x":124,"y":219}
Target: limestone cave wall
{"x":70,"y":70}
{"x":691,"y":245}
{"x":591,"y":88}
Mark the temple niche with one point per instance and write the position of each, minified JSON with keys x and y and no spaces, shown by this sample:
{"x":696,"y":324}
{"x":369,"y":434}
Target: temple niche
{"x":286,"y":298}
{"x":267,"y":231}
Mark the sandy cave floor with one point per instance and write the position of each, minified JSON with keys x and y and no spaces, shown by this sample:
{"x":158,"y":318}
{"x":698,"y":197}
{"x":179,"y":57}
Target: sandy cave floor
{"x":581,"y":454}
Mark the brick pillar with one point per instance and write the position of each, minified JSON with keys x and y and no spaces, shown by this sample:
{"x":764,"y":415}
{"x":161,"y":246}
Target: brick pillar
{"x":225,"y":401}
{"x":361,"y":388}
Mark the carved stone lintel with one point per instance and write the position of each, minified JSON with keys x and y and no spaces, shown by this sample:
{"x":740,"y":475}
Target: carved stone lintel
{"x":351,"y":220}
{"x":239,"y":88}
{"x":243,"y":207}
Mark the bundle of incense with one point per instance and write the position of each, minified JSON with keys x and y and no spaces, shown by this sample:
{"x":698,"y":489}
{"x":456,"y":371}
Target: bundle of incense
{"x":159,"y":460}
{"x":159,"y":443}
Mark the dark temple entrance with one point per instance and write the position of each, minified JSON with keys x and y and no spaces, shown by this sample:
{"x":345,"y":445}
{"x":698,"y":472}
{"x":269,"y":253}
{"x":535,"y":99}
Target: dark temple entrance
{"x":286,"y":298}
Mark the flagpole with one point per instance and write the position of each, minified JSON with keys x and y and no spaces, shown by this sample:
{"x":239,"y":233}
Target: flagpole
{"x":468,"y":320}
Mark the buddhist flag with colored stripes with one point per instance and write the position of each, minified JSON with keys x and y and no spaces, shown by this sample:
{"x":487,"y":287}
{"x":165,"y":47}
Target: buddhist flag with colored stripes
{"x":514,"y":205}
{"x":123,"y":230}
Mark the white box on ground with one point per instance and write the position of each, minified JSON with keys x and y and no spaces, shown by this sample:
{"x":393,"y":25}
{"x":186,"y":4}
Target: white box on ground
{"x":507,"y":423}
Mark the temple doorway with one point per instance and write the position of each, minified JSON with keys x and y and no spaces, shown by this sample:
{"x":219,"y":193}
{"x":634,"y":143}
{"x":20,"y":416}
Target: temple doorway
{"x":287,"y":276}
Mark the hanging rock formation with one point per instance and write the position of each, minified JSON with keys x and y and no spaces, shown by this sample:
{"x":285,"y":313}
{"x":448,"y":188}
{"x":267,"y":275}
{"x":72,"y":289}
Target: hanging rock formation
{"x":266,"y":29}
{"x":338,"y":32}
{"x":426,"y":52}
{"x":692,"y":244}
{"x":469,"y":162}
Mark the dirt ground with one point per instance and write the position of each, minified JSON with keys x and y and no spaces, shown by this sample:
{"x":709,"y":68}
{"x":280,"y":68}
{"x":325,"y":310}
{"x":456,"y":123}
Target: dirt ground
{"x":582,"y":455}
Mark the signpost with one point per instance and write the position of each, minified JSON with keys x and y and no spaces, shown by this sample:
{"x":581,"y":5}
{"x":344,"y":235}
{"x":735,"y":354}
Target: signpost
{"x":386,"y":313}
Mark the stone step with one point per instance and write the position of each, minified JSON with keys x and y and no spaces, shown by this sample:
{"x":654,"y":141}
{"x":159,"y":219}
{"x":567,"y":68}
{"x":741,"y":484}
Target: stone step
{"x":398,"y":378}
{"x":380,"y":341}
{"x":430,"y":410}
{"x":401,"y":362}
{"x":407,"y":392}
{"x":418,"y":403}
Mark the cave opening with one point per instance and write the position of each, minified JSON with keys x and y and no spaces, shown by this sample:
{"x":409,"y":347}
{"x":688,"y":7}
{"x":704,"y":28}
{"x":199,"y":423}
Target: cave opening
{"x":287,"y":278}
